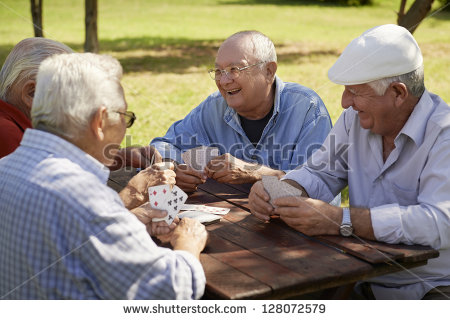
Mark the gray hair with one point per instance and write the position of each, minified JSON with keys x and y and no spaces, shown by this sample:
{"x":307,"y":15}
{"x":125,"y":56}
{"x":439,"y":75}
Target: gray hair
{"x":263,"y":47}
{"x":413,"y":80}
{"x":71,"y":88}
{"x":24,"y":59}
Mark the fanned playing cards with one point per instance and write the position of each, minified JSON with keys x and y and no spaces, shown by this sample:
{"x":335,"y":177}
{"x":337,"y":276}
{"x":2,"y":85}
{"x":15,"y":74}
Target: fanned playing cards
{"x":199,"y":157}
{"x":164,"y":198}
{"x":278,"y":189}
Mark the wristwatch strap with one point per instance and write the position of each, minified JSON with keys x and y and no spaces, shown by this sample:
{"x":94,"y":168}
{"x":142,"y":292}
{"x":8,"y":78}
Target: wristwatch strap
{"x":346,"y":219}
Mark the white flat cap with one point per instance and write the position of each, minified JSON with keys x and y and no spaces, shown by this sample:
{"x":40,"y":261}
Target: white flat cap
{"x":384,"y":51}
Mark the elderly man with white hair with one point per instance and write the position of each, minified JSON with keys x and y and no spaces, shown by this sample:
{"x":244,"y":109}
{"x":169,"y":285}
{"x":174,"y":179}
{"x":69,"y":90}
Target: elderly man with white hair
{"x":17,"y":86}
{"x":391,"y":146}
{"x":261,"y":124}
{"x":64,"y":233}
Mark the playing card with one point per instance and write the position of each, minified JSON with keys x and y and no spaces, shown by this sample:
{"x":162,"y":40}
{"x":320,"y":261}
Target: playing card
{"x":164,"y":198}
{"x":192,"y":206}
{"x":202,"y":217}
{"x":199,"y":157}
{"x":278,"y":189}
{"x":207,"y":209}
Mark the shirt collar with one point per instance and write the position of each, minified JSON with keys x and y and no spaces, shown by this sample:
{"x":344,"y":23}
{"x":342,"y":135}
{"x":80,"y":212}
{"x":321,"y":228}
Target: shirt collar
{"x":58,"y":147}
{"x":17,"y":116}
{"x":416,"y":124}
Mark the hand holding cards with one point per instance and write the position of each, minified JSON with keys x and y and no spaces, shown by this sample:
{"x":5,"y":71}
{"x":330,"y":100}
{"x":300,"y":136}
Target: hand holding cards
{"x":164,"y":198}
{"x":278,"y":189}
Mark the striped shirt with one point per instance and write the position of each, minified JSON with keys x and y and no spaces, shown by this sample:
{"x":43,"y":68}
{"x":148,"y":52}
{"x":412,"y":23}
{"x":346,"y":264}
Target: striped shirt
{"x":65,"y":235}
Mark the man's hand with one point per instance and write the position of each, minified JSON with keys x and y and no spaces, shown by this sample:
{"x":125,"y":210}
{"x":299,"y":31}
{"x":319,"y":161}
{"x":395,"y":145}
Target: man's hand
{"x":229,"y":169}
{"x":190,"y":235}
{"x":136,"y":157}
{"x":136,"y":191}
{"x":309,"y":216}
{"x":188,"y":179}
{"x":258,"y":200}
{"x":145,"y":213}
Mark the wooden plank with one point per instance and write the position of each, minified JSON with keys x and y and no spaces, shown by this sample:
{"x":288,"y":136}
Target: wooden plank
{"x":361,"y":249}
{"x":376,"y":252}
{"x":227,"y":193}
{"x":219,"y":286}
{"x":264,"y":270}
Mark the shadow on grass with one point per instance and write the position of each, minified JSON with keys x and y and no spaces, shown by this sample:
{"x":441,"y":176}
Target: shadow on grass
{"x":176,"y":55}
{"x":322,"y":3}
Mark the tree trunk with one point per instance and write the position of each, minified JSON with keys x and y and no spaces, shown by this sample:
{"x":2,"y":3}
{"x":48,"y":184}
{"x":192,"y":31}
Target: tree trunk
{"x":36,"y":14}
{"x":416,"y":13}
{"x":91,"y":41}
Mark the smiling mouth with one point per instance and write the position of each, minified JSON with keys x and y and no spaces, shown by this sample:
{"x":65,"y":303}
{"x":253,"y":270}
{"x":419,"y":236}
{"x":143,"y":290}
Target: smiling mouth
{"x":233,"y":92}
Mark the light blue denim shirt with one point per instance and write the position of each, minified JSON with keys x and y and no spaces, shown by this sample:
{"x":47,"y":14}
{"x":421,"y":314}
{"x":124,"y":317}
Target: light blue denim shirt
{"x":408,"y":194}
{"x":299,"y":124}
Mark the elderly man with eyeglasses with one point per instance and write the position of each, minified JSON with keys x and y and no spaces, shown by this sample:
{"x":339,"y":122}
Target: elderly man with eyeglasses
{"x":261,"y":125}
{"x":395,"y":135}
{"x":65,"y":234}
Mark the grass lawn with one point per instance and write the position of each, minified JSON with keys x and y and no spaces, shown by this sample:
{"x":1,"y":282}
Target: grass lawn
{"x":166,"y":47}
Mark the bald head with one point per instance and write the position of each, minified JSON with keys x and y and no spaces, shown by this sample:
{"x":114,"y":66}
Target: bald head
{"x":254,"y":43}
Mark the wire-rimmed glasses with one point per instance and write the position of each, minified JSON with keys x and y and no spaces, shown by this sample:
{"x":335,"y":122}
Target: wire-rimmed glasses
{"x":231,"y":72}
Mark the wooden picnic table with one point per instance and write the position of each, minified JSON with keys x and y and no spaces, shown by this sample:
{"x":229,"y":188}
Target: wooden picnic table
{"x":246,"y":258}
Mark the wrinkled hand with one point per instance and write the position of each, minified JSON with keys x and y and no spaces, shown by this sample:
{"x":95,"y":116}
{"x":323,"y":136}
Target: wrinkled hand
{"x":190,"y":235}
{"x":258,"y":200}
{"x":136,"y":157}
{"x":309,"y":216}
{"x":136,"y":191}
{"x":188,"y":178}
{"x":229,"y":169}
{"x":157,"y":174}
{"x":145,"y":213}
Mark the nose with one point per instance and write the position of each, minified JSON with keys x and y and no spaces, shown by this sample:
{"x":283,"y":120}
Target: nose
{"x":347,"y":99}
{"x":224,"y":79}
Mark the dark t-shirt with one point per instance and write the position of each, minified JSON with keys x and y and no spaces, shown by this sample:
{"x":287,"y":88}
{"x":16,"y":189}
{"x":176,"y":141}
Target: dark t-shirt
{"x":254,"y":128}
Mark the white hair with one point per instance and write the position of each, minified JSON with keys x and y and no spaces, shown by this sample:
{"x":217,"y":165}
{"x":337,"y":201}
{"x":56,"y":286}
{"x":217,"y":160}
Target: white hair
{"x":24,"y":59}
{"x":263,"y":47}
{"x":413,"y":80}
{"x":71,"y":88}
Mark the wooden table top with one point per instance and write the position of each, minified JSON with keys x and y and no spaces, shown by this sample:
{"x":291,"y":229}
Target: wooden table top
{"x":246,"y":258}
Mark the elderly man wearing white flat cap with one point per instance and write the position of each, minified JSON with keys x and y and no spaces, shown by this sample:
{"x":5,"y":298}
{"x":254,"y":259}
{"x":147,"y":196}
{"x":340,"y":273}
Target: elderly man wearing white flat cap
{"x":391,"y":146}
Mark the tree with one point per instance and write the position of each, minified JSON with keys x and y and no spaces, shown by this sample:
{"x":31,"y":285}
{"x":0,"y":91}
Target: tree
{"x":36,"y":14}
{"x":416,"y":13}
{"x":91,"y":40}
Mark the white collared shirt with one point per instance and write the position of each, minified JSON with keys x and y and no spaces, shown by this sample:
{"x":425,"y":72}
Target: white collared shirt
{"x":408,"y":195}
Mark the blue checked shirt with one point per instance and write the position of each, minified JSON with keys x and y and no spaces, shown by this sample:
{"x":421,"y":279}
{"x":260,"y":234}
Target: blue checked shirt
{"x":65,"y":235}
{"x":298,"y":126}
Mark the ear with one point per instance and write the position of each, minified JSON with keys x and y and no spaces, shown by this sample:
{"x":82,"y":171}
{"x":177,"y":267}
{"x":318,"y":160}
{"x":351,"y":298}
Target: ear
{"x":98,"y":122}
{"x":400,"y":92}
{"x":271,"y":69}
{"x":27,"y":93}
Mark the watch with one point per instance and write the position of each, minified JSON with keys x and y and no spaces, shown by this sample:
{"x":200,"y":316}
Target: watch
{"x":346,"y":228}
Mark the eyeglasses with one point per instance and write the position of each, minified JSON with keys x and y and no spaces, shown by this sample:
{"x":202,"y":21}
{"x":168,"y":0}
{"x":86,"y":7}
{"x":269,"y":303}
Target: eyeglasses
{"x":130,"y":117}
{"x":231,"y":72}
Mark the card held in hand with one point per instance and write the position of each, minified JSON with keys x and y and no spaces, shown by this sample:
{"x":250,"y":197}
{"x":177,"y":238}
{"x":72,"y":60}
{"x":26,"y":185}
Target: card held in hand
{"x":198,"y":158}
{"x":165,"y":198}
{"x":278,"y":189}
